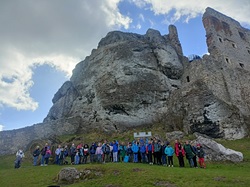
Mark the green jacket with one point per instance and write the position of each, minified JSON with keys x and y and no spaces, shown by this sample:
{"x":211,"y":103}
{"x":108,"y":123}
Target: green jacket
{"x":189,"y":151}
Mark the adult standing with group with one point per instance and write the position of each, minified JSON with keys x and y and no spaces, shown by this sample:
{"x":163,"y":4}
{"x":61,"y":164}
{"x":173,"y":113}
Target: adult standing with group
{"x":36,"y":154}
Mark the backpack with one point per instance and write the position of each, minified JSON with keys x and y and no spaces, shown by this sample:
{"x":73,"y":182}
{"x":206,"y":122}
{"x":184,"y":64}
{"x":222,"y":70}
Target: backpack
{"x":92,"y":149}
{"x":66,"y":152}
{"x":129,"y":150}
{"x":107,"y":149}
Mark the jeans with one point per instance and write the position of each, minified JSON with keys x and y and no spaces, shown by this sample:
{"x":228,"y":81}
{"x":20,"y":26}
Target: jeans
{"x":115,"y":159}
{"x":35,"y":160}
{"x":191,"y":162}
{"x":143,"y":157}
{"x":57,"y":159}
{"x":164,"y":159}
{"x":92,"y":158}
{"x":99,"y":158}
{"x":135,"y":157}
{"x":42,"y":160}
{"x":77,"y":159}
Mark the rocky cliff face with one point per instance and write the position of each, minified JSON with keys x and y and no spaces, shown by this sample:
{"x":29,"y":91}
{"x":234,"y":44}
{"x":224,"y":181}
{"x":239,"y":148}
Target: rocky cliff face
{"x":124,"y":82}
{"x":134,"y":80}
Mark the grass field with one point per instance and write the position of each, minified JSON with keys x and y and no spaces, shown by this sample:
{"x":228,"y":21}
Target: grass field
{"x":130,"y":174}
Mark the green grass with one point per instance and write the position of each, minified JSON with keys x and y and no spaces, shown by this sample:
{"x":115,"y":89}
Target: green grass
{"x":130,"y":174}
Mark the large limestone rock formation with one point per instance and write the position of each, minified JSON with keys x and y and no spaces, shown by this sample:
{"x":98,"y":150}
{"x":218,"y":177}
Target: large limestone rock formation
{"x":134,"y":80}
{"x":124,"y":82}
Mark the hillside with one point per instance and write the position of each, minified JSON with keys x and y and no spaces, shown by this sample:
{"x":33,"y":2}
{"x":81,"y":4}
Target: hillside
{"x":115,"y":174}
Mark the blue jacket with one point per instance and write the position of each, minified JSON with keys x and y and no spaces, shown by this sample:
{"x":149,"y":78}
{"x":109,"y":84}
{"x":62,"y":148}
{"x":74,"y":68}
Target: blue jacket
{"x":135,"y":148}
{"x":115,"y":147}
{"x":143,"y":149}
{"x":169,"y":151}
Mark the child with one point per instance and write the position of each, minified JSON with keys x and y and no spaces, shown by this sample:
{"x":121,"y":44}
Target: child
{"x":77,"y":157}
{"x":169,"y":151}
{"x":99,"y":152}
{"x":201,"y":155}
{"x":85,"y":153}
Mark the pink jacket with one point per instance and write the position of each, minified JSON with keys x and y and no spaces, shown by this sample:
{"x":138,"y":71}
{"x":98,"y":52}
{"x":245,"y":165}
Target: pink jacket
{"x":99,"y":151}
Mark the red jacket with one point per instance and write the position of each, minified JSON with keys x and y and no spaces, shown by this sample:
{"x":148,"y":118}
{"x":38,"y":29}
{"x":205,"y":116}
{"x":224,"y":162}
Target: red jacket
{"x":177,"y":150}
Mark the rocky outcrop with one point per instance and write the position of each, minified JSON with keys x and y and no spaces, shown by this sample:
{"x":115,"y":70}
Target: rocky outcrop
{"x":124,"y":82}
{"x":70,"y":175}
{"x":133,"y":80}
{"x":217,"y":152}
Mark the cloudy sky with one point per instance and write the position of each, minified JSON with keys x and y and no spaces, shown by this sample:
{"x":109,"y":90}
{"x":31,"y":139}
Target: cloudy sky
{"x":41,"y":41}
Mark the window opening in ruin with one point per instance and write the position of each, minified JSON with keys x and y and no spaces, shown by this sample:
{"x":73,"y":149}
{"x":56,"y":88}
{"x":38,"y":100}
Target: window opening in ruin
{"x":220,"y":40}
{"x":227,"y":60}
{"x":188,"y":80}
{"x":241,"y":65}
{"x":234,"y":46}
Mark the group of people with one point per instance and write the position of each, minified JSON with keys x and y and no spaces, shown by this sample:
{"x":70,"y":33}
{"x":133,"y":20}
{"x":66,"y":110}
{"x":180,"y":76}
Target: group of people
{"x":142,"y":150}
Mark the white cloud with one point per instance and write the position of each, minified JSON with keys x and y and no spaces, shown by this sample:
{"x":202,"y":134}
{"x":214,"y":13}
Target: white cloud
{"x":59,"y":33}
{"x":139,"y":3}
{"x":1,"y":127}
{"x":191,"y":8}
{"x":114,"y":17}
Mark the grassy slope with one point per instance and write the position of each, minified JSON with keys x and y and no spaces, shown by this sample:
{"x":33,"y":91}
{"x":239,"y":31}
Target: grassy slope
{"x":129,"y":174}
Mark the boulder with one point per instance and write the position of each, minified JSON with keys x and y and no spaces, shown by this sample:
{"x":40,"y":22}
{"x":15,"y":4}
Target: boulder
{"x":217,"y":152}
{"x":68,"y":175}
